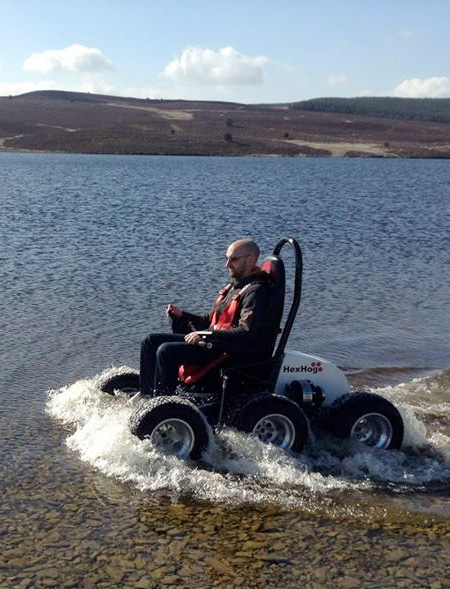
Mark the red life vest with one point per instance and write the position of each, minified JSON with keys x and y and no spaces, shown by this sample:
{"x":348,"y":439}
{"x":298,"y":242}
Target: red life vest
{"x":190,"y":374}
{"x":226,"y":318}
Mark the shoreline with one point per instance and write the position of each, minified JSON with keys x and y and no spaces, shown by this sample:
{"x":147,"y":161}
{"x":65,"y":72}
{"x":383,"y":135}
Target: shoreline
{"x":336,"y":152}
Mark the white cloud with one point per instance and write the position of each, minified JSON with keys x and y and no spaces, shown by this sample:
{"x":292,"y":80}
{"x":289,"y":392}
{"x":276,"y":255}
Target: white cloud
{"x":92,"y":83}
{"x":88,"y":83}
{"x":423,"y":88}
{"x":338,"y":80}
{"x":151,"y":92}
{"x":72,"y":59}
{"x":15,"y":88}
{"x":400,"y":38}
{"x":368,"y":92}
{"x":227,"y":67}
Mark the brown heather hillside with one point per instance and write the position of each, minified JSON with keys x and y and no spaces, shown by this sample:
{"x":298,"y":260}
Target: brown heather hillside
{"x":88,"y":123}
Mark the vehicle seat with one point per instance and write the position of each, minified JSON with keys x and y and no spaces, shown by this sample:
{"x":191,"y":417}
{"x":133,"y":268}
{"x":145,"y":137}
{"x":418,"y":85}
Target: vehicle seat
{"x":274,"y":266}
{"x":191,"y":374}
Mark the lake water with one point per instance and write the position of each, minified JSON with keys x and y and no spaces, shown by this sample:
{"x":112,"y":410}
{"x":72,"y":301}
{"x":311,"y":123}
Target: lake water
{"x":92,"y":248}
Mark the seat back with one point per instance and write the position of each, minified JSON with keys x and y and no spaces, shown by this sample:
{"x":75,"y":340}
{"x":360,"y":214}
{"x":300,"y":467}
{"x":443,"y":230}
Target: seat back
{"x":274,"y":266}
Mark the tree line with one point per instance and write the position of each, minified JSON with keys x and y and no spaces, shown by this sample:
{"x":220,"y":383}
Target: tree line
{"x":418,"y":109}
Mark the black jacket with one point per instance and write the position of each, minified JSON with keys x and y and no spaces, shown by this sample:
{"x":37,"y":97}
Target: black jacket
{"x":253,"y":332}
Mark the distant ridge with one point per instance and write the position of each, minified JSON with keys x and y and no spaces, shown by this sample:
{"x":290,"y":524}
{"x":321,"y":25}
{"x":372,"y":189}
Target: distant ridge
{"x":412,"y":109}
{"x":77,"y":122}
{"x":99,"y":98}
{"x":417,"y":109}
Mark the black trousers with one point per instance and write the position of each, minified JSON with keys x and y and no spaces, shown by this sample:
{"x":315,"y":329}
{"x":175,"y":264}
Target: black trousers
{"x":161,"y":356}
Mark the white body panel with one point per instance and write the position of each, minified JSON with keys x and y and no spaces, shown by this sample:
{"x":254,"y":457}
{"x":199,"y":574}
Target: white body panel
{"x":298,"y":366}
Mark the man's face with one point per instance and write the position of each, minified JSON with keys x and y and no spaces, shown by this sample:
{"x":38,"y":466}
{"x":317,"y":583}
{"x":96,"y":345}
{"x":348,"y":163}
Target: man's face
{"x":239,"y":262}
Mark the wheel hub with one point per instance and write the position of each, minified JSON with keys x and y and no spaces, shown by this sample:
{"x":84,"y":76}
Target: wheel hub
{"x":275,"y":429}
{"x":174,"y":436}
{"x":373,"y":429}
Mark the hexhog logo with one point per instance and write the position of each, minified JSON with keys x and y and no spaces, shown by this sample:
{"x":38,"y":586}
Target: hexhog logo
{"x":313,"y":368}
{"x":316,"y":367}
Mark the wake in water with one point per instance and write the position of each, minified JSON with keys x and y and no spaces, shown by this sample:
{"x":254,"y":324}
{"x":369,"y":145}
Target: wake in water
{"x":238,"y":469}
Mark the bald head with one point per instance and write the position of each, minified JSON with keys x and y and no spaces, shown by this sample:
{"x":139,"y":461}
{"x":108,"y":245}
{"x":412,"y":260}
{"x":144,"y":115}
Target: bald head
{"x":242,"y":256}
{"x":246,"y":246}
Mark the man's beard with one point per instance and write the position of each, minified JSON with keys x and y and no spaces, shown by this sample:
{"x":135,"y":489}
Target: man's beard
{"x":235,"y":278}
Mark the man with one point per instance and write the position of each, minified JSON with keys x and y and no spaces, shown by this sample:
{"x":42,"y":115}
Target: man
{"x":237,"y":325}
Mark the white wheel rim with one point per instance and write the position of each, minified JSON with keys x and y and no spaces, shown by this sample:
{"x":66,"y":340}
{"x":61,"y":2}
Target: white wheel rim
{"x":174,"y":436}
{"x":275,"y":429}
{"x":373,"y":429}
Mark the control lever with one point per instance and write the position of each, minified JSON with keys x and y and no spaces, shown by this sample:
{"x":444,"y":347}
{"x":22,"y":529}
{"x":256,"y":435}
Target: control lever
{"x":204,"y":343}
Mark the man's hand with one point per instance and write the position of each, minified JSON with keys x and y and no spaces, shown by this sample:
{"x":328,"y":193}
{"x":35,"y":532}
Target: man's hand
{"x":173,"y":311}
{"x":193,"y":338}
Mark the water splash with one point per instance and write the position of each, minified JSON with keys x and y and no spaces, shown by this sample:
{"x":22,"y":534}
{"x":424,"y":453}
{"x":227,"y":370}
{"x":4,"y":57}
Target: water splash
{"x":239,"y":469}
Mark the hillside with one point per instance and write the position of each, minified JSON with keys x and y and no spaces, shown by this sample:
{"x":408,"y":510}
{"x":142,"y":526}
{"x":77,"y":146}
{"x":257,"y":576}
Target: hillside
{"x":88,"y":123}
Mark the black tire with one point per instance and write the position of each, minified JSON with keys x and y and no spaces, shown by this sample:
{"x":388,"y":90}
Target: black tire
{"x":127,"y":383}
{"x":174,"y":425}
{"x":367,"y":418}
{"x":272,"y":418}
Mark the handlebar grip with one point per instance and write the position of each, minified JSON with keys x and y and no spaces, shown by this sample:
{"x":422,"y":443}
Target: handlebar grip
{"x":203,"y":344}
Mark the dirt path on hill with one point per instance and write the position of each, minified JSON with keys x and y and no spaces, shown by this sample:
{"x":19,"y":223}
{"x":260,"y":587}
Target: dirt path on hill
{"x":341,"y":148}
{"x":177,"y":115}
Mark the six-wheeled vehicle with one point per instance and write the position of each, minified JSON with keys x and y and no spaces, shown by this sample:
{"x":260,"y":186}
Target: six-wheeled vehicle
{"x":275,"y":399}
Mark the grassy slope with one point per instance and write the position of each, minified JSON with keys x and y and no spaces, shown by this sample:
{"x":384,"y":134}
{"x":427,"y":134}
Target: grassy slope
{"x":85,"y":123}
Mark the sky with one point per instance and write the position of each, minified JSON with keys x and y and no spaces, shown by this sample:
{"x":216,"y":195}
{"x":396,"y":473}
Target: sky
{"x":247,"y":51}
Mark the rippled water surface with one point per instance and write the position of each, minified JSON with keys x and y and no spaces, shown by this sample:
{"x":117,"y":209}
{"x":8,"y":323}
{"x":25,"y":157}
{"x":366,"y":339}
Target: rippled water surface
{"x":92,"y":248}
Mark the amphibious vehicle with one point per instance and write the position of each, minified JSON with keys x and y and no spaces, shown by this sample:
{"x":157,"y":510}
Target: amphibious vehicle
{"x":275,"y":399}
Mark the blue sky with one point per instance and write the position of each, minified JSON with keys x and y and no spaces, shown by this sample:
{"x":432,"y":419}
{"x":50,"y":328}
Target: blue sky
{"x":239,"y":50}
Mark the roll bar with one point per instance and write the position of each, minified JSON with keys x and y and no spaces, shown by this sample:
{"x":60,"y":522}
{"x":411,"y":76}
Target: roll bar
{"x":297,"y":290}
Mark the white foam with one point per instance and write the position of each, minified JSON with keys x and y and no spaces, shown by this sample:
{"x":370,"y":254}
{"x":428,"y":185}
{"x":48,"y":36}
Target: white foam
{"x":426,"y":394}
{"x":237,"y":468}
{"x":422,"y":398}
{"x":415,"y":431}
